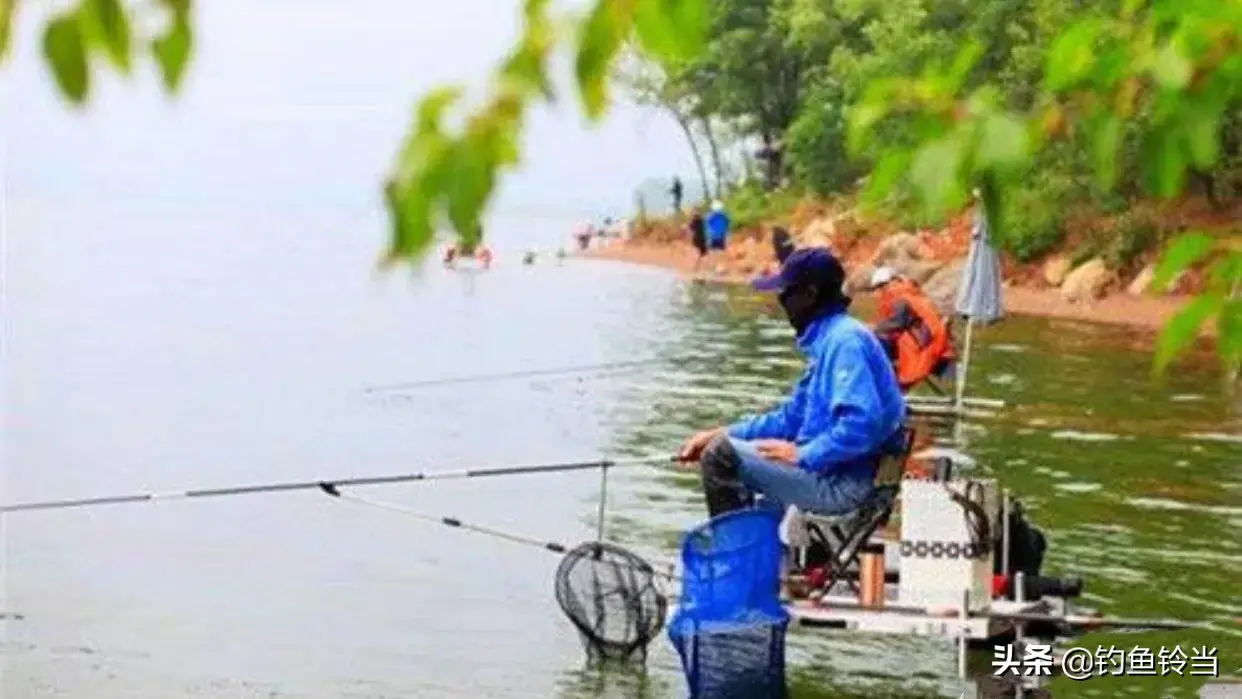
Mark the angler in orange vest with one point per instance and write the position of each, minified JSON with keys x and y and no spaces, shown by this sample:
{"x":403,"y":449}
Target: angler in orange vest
{"x":911,"y":329}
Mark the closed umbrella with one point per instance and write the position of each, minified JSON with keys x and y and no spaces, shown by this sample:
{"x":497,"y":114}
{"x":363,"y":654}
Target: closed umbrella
{"x":980,"y":298}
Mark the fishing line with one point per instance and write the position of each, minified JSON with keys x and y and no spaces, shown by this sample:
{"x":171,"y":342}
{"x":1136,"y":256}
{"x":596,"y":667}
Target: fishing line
{"x":335,"y":483}
{"x":521,"y":374}
{"x":457,"y":523}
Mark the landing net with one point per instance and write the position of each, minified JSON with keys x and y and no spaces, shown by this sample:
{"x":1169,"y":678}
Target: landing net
{"x":610,"y":595}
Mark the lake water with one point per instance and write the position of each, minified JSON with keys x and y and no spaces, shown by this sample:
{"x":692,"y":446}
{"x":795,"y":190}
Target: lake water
{"x":213,"y":358}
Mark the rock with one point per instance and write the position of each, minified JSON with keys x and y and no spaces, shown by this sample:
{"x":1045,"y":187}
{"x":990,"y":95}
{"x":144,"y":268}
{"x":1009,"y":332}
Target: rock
{"x":919,"y":271}
{"x":941,"y":288}
{"x":1056,"y":268}
{"x":1087,"y":281}
{"x":1142,"y":282}
{"x":859,"y":280}
{"x":897,"y":247}
{"x":817,"y":233}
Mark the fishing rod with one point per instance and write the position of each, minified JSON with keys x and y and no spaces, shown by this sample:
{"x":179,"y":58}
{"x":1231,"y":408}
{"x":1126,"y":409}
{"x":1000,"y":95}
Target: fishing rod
{"x":335,"y":483}
{"x":520,"y":374}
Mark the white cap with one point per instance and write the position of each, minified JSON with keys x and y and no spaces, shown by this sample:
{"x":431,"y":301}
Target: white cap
{"x":717,"y":205}
{"x":882,"y":276}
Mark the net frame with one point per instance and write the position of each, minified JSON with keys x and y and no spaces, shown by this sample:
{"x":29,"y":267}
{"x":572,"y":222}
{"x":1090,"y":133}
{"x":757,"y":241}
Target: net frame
{"x":617,"y":614}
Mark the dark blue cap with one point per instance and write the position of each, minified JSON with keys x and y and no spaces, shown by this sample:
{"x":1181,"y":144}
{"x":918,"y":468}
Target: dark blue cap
{"x":815,"y":266}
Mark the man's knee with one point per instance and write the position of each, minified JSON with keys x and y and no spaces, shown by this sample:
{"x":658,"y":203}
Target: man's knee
{"x":720,"y":448}
{"x":720,"y":458}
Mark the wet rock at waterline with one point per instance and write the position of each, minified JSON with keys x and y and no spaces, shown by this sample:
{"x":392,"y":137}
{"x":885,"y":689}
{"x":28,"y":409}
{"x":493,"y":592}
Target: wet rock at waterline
{"x":1142,"y":283}
{"x":1056,"y":268}
{"x":1087,"y":282}
{"x":941,"y":288}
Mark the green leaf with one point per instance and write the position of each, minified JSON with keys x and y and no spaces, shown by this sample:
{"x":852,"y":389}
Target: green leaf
{"x":601,"y":34}
{"x":65,"y":51}
{"x":108,"y":26}
{"x":1170,"y":68}
{"x":934,"y":172}
{"x":1164,"y":165}
{"x":1202,"y":132}
{"x":863,"y":118}
{"x":672,"y":30}
{"x":874,"y":107}
{"x":172,"y":50}
{"x":431,"y":109}
{"x":1072,"y":55}
{"x":1107,"y":140}
{"x":963,"y":63}
{"x":8,"y":9}
{"x":1182,"y":329}
{"x":526,"y":66}
{"x":885,"y":175}
{"x":526,"y":71}
{"x":1004,"y":143}
{"x":471,"y":175}
{"x":1184,"y":251}
{"x":1225,"y":273}
{"x":412,"y":228}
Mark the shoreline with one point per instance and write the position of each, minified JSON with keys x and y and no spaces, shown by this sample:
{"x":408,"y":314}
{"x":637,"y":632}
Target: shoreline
{"x":1148,"y":313}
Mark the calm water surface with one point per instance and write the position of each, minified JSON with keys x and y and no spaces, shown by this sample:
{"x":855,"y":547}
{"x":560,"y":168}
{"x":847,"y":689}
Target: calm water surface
{"x":244,"y":358}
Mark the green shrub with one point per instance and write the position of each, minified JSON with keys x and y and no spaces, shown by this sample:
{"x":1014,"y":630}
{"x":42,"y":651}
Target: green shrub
{"x":816,"y":142}
{"x":1035,"y":217}
{"x":747,"y":206}
{"x":1132,"y":235}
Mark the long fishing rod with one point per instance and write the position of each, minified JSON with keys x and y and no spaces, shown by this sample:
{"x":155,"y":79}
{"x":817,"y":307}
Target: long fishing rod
{"x":334,"y":483}
{"x":520,"y":374}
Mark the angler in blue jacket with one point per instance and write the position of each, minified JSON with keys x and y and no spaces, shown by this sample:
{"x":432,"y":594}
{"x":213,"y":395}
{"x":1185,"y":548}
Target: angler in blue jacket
{"x":818,"y":450}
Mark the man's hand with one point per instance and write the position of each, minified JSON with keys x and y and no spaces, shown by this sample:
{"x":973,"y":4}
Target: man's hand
{"x":778,"y":450}
{"x":692,"y":450}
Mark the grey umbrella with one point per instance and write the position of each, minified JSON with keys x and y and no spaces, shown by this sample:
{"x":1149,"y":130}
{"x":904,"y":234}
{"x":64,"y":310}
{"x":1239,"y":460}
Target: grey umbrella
{"x":980,"y":297}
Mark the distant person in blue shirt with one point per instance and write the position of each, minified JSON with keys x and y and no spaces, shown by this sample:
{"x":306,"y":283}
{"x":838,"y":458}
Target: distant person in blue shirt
{"x":717,"y":226}
{"x":819,"y":450}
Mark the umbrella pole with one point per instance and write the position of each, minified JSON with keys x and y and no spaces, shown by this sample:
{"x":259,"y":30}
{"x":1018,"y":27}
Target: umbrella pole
{"x":961,"y":383}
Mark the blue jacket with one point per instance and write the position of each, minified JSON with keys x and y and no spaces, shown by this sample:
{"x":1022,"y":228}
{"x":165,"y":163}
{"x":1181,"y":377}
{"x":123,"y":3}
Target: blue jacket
{"x":717,"y":226}
{"x":845,"y":408}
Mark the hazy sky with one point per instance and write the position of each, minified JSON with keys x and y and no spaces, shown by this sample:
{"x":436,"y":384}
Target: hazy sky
{"x":296,"y":105}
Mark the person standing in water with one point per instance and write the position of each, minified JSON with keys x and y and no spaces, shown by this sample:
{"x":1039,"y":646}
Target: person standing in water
{"x":717,"y":223}
{"x":782,"y":244}
{"x":698,"y":236}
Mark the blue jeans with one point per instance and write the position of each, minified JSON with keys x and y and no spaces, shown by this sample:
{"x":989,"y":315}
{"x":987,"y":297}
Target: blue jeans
{"x":734,"y":474}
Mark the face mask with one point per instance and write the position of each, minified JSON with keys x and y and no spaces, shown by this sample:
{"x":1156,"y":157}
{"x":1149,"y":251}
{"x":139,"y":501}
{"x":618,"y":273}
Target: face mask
{"x":799,"y":306}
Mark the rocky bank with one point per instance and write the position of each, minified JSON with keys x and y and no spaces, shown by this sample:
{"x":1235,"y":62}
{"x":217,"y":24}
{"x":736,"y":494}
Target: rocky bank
{"x":1057,"y":286}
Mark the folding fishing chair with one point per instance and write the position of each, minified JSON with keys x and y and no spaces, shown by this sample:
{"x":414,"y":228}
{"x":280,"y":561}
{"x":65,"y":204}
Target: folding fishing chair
{"x":832,"y":544}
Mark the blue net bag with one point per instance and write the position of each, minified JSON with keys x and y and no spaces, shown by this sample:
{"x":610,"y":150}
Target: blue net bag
{"x":729,"y":628}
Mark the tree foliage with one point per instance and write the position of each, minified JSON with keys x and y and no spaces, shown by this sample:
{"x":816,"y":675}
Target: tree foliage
{"x":1037,"y":103}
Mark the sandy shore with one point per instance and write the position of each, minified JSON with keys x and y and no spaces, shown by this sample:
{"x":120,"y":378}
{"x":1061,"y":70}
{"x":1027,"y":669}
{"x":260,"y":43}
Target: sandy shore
{"x":1144,"y":312}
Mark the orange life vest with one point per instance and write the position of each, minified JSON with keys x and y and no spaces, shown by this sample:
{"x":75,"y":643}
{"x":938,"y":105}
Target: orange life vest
{"x":921,"y":347}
